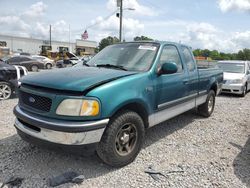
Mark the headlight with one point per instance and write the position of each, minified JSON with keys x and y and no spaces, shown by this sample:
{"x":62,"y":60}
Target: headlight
{"x":78,"y":107}
{"x":237,"y":81}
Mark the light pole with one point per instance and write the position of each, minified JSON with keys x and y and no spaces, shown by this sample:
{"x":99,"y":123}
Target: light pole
{"x":120,"y":4}
{"x":50,"y":35}
{"x":120,"y":31}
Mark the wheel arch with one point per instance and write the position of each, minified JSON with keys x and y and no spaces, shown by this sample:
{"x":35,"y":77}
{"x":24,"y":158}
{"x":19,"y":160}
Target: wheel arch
{"x":137,"y":107}
{"x":48,"y":63}
{"x":214,"y":87}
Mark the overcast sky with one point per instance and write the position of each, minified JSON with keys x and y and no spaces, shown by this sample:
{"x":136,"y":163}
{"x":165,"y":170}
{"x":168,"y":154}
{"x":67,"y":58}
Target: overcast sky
{"x":214,"y":24}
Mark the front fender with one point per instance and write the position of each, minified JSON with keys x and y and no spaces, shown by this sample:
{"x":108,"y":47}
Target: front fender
{"x":116,"y":94}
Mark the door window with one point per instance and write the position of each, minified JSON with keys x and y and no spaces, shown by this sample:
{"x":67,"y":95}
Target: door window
{"x":24,"y":59}
{"x":170,"y":54}
{"x":14,"y":60}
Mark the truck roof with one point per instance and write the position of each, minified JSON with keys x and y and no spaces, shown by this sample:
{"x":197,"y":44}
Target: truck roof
{"x":159,"y":42}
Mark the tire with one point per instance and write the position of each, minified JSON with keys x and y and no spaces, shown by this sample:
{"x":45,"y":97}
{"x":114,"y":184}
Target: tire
{"x":6,"y":90}
{"x":207,"y":108}
{"x":59,"y":66}
{"x":48,"y":66}
{"x":34,"y":68}
{"x":244,"y":92}
{"x":122,"y":140}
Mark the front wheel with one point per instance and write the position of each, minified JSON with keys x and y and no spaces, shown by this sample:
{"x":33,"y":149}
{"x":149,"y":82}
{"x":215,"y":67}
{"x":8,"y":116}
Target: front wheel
{"x":122,"y":139}
{"x":244,"y":92}
{"x":207,"y":108}
{"x":48,"y":66}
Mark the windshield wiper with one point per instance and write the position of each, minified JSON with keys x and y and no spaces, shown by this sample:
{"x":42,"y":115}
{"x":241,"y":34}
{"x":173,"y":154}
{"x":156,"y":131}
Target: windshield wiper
{"x":112,"y":66}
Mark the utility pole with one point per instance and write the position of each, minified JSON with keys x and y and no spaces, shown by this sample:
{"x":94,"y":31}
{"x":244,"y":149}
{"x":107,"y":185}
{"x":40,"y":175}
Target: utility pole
{"x":120,"y":31}
{"x":69,"y":37}
{"x":50,"y":35}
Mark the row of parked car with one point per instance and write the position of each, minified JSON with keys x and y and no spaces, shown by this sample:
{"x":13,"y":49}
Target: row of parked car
{"x":31,"y":63}
{"x":35,"y":62}
{"x":14,"y":67}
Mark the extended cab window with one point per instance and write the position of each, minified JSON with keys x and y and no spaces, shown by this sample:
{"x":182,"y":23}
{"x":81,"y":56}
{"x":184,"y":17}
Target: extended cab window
{"x":188,"y":59}
{"x":170,"y":54}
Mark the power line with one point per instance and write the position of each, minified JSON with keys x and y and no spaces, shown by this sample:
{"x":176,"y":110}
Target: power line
{"x":104,"y":19}
{"x":97,"y":23}
{"x":155,"y":6}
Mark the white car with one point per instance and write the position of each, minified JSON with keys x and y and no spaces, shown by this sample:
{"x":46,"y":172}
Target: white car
{"x":236,"y":77}
{"x":48,"y":62}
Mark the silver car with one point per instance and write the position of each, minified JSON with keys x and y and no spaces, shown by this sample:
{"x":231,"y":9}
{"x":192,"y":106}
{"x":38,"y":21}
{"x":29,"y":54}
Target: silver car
{"x":236,"y":77}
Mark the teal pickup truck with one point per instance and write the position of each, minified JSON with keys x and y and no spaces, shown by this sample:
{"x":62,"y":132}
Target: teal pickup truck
{"x":109,"y":102}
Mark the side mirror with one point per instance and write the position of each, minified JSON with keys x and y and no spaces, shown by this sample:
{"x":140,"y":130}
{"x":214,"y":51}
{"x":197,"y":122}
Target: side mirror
{"x":168,"y":68}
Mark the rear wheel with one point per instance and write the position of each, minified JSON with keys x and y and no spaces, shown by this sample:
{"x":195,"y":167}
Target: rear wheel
{"x":5,"y":91}
{"x":122,"y":139}
{"x":207,"y":108}
{"x":34,"y":68}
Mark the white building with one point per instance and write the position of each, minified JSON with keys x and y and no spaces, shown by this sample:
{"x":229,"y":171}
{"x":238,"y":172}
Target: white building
{"x":33,"y":46}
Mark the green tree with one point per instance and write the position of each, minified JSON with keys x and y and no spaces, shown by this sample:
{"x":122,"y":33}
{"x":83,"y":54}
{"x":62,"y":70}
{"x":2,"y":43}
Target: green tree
{"x":197,"y":52}
{"x":215,"y":55}
{"x":205,"y":53}
{"x":247,"y":54}
{"x":137,"y":38}
{"x":107,"y":41}
{"x":241,"y":55}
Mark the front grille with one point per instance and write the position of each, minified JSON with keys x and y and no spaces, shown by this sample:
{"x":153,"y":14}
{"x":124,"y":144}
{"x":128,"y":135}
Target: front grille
{"x":35,"y":101}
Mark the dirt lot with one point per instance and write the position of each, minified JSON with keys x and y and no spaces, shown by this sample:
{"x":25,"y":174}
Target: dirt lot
{"x":189,"y":150}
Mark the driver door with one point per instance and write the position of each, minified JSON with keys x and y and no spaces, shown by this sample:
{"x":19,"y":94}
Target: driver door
{"x":171,"y":87}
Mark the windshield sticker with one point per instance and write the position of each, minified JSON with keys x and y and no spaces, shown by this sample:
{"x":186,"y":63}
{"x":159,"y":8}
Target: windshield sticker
{"x":141,"y":47}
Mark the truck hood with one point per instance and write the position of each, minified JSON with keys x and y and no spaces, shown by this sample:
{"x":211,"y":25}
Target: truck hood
{"x":74,"y":79}
{"x":232,"y":76}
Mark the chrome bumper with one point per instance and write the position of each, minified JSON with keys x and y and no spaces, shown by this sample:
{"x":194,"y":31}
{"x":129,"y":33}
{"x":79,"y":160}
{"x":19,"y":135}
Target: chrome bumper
{"x":65,"y":138}
{"x":64,"y":132}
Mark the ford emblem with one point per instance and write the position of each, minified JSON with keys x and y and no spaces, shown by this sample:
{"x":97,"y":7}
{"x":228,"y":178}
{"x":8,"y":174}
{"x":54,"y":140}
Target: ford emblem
{"x":31,"y":99}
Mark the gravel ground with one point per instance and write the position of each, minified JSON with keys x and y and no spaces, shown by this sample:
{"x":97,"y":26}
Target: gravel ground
{"x":189,"y":150}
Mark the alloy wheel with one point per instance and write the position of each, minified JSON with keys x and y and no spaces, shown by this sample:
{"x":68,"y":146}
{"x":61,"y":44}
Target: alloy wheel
{"x":5,"y":91}
{"x":126,"y":139}
{"x":210,"y":104}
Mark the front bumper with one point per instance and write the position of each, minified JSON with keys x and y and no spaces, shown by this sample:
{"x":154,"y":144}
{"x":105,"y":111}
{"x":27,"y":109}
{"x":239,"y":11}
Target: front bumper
{"x":232,"y":88}
{"x":58,"y":131}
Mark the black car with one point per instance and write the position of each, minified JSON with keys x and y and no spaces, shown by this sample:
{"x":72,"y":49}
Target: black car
{"x":9,"y":76}
{"x":28,"y":62}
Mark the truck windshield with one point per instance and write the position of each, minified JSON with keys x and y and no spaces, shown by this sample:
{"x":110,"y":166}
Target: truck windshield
{"x":130,"y":56}
{"x":232,"y":67}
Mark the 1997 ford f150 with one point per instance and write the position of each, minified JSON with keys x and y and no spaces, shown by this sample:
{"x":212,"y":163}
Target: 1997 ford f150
{"x":111,"y":100}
